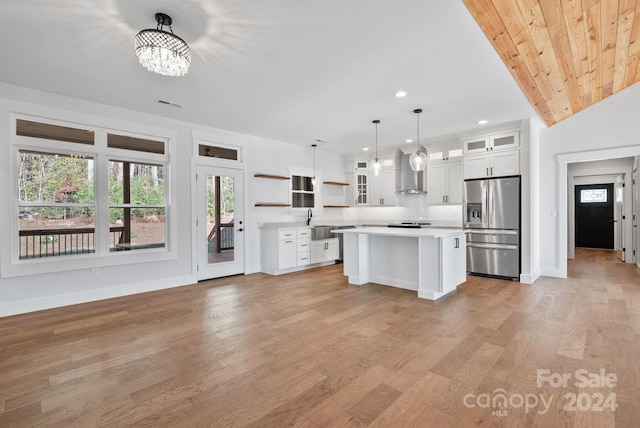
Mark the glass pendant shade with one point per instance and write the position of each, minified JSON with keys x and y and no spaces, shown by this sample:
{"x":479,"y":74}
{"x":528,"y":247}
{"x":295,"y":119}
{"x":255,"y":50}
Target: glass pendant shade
{"x":163,"y":52}
{"x":376,"y":166}
{"x":418,"y":161}
{"x":313,"y":179}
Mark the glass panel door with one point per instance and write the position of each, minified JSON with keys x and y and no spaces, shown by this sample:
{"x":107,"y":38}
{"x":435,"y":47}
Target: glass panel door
{"x":220,"y":222}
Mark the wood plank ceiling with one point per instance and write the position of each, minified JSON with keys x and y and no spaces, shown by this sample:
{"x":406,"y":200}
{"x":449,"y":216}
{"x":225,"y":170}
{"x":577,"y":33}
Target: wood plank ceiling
{"x":565,"y":54}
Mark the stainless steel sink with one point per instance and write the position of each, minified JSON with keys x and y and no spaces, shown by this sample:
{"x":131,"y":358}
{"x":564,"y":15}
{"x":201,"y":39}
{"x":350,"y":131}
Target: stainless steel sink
{"x":322,"y":232}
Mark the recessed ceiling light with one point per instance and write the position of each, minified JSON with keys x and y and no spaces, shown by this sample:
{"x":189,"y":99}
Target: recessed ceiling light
{"x":401,"y":94}
{"x":365,"y":148}
{"x":408,"y":141}
{"x":483,"y":122}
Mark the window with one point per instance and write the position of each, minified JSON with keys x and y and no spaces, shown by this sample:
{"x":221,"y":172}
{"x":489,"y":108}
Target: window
{"x":217,"y":152}
{"x":65,"y":208}
{"x":136,"y":205}
{"x":302,"y":192}
{"x":56,"y":204}
{"x":591,"y":196}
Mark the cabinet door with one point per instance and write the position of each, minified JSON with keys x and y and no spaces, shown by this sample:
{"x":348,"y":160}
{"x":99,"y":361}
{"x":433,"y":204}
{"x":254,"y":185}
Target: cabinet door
{"x":476,"y":145}
{"x":453,"y":263}
{"x":376,"y":184}
{"x":476,"y":166}
{"x":362,"y":188}
{"x":324,"y":250}
{"x":505,"y":141}
{"x":454,"y":182}
{"x":389,"y":187}
{"x":436,"y":183}
{"x":383,"y":188}
{"x":332,"y":251}
{"x":317,"y":251}
{"x":287,"y":253}
{"x":505,"y":163}
{"x":459,"y":273}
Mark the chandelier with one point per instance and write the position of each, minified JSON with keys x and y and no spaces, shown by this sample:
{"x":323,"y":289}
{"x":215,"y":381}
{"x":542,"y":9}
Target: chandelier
{"x":162,"y":51}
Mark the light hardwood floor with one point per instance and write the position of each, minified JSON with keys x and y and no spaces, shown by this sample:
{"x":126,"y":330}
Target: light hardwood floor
{"x":309,"y":350}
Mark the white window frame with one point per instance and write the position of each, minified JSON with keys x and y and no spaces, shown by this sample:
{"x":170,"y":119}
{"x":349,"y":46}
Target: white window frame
{"x":13,"y":266}
{"x":305,"y":172}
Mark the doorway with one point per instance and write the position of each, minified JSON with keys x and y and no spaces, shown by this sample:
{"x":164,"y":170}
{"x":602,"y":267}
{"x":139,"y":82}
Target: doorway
{"x":594,"y":216}
{"x":220,"y":221}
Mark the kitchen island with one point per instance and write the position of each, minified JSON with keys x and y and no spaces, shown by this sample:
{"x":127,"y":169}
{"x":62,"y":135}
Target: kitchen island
{"x":427,"y":260}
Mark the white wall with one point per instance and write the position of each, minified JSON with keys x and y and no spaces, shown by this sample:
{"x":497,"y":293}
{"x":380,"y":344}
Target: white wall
{"x":276,"y":158}
{"x":609,"y":129}
{"x":33,"y":292}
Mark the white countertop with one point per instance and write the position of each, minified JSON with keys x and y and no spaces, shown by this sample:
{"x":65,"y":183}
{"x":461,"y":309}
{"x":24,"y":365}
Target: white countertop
{"x":284,"y":225}
{"x":408,"y":232}
{"x":358,"y":223}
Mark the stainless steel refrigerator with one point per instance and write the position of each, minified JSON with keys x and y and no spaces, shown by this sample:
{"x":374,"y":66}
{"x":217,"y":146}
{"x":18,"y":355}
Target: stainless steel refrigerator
{"x":491,"y":210}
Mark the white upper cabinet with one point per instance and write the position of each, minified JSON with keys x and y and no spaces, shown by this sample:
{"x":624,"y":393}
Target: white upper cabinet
{"x":444,"y":175}
{"x":443,"y":154}
{"x":492,"y":155}
{"x":383,"y":188}
{"x":444,"y":182}
{"x":370,"y":189}
{"x":504,"y":141}
{"x":494,"y":164}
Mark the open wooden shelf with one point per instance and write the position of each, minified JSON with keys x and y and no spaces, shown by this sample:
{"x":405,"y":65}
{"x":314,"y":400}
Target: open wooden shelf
{"x":271,"y":176}
{"x":336,"y":206}
{"x":271,"y":204}
{"x":335,"y":183}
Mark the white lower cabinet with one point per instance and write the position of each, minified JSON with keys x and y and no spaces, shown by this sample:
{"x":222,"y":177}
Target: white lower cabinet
{"x":453,"y":268}
{"x":324,"y":250}
{"x":287,"y":253}
{"x":303,"y":252}
{"x":285,"y":250}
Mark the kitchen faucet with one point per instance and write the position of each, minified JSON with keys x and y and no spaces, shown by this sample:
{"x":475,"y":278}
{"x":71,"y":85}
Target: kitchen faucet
{"x":309,"y":215}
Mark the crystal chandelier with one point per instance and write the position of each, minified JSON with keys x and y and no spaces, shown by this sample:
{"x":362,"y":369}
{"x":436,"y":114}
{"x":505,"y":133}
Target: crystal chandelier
{"x":161,"y":51}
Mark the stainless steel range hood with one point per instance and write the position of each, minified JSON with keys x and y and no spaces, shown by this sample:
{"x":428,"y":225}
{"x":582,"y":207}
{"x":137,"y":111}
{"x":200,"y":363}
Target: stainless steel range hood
{"x":409,"y":181}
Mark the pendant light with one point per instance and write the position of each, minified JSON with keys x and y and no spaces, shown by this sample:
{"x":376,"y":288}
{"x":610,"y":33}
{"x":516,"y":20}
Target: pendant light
{"x":418,"y":160}
{"x":376,"y":166}
{"x":313,"y":180}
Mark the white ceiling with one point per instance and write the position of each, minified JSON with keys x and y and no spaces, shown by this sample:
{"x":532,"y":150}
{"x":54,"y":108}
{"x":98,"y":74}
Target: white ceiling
{"x":286,"y":70}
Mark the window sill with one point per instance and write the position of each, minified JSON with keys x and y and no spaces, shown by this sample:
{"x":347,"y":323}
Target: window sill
{"x":55,"y":264}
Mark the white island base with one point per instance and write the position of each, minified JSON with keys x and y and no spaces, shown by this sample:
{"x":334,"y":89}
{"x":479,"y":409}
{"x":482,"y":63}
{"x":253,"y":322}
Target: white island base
{"x":429,"y":261}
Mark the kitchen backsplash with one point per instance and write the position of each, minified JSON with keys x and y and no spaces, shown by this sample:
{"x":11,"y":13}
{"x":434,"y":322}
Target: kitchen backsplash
{"x":413,"y":207}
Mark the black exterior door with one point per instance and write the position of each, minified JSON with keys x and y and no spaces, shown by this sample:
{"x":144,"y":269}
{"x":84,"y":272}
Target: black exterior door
{"x":594,"y":216}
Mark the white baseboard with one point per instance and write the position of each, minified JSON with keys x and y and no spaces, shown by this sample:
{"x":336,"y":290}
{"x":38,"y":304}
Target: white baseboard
{"x":529,"y":278}
{"x":555,"y":273}
{"x":394,"y":282}
{"x":433,"y":295}
{"x":50,"y":302}
{"x":252,"y":269}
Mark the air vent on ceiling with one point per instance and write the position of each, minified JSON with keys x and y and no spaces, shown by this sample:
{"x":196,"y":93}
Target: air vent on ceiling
{"x":169,"y":103}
